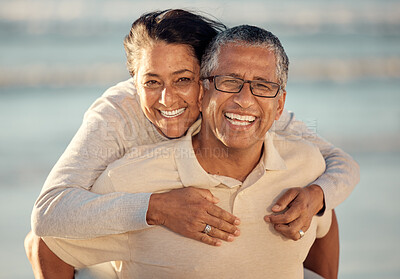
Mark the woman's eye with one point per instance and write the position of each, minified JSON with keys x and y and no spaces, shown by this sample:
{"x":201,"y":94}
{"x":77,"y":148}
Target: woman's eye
{"x":152,"y":84}
{"x":183,"y":81}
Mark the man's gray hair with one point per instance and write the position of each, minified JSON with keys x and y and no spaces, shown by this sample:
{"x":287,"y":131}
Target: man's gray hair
{"x":246,"y":35}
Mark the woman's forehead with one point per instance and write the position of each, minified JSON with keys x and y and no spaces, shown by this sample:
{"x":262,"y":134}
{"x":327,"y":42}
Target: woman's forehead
{"x":167,"y":58}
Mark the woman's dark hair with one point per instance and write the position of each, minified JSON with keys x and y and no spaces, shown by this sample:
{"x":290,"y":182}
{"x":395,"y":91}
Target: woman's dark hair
{"x":172,"y":26}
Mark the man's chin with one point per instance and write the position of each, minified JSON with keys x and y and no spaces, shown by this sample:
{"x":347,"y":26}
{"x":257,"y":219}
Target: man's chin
{"x":241,"y":142}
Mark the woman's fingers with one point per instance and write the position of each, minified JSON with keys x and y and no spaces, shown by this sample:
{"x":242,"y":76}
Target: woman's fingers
{"x":206,"y":194}
{"x":188,"y":210}
{"x":297,"y":206}
{"x":292,"y":230}
{"x":223,"y":219}
{"x":284,"y":201}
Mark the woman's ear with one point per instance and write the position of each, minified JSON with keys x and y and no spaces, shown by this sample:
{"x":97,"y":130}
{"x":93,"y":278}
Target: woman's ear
{"x":135,"y":83}
{"x":201,"y":95}
{"x":281,"y":104}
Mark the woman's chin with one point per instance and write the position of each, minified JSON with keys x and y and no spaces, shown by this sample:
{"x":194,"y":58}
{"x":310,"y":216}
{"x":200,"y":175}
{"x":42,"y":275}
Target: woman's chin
{"x":173,"y":132}
{"x":174,"y":135}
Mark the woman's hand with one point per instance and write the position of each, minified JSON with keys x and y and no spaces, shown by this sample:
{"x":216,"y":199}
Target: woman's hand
{"x":187,"y":211}
{"x":297,"y":206}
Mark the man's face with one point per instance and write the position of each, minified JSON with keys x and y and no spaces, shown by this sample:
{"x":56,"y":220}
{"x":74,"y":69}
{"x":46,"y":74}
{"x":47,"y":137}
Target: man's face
{"x":241,"y":120}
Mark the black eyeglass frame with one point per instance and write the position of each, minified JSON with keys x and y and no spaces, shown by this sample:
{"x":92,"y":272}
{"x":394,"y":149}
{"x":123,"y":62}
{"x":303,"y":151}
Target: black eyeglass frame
{"x":211,"y":79}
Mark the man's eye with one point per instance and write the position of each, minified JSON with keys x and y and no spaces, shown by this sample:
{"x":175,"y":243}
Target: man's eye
{"x":230,"y":82}
{"x":262,"y":86}
{"x":152,"y":84}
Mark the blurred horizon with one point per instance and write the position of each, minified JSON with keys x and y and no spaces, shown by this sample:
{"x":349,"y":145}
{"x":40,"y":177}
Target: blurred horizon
{"x":56,"y":30}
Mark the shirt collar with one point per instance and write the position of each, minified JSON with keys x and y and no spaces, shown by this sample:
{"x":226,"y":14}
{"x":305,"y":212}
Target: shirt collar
{"x":271,"y":158}
{"x":189,"y":169}
{"x":192,"y":173}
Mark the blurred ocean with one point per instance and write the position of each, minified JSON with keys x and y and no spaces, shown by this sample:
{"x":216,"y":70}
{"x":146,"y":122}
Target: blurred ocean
{"x":57,"y":57}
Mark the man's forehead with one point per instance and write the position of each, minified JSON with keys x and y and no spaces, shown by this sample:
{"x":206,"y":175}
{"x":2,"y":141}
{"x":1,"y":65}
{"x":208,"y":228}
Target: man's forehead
{"x":235,"y":59}
{"x":245,"y":49}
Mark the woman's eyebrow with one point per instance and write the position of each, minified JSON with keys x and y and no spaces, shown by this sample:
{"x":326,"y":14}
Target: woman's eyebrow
{"x":151,"y":75}
{"x":173,"y":73}
{"x":182,"y":71}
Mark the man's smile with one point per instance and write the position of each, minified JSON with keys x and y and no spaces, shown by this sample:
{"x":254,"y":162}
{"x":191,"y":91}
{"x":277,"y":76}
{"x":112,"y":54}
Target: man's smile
{"x":238,"y":119}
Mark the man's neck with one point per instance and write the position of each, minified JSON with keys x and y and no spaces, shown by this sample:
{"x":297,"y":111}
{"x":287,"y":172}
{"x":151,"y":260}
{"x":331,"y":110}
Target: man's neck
{"x":216,"y":158}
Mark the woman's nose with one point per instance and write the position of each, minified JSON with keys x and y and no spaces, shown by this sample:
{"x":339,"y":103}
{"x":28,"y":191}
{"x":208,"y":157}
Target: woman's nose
{"x":167,"y":97}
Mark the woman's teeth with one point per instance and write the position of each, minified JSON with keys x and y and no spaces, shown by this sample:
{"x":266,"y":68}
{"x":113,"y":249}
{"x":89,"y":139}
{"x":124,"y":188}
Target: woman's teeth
{"x":172,"y":113}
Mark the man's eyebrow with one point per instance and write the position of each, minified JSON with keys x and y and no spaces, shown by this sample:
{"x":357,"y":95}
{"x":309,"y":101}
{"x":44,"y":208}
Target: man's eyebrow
{"x":239,"y":76}
{"x":260,"y":78}
{"x":233,"y":75}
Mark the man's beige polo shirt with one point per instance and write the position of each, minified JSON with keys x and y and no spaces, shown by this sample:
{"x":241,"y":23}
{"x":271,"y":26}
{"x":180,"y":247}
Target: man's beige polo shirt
{"x":156,"y":252}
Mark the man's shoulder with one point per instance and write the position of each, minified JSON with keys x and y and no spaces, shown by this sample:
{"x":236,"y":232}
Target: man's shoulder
{"x":154,"y":154}
{"x":298,"y":152}
{"x":144,"y":165}
{"x":289,"y":145}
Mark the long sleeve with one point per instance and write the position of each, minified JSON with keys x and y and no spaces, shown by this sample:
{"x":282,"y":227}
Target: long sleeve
{"x":86,"y":252}
{"x":342,"y":172}
{"x":66,"y":207}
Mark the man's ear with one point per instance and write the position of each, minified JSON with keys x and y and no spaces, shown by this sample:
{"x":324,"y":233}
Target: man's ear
{"x":281,"y":104}
{"x":201,"y":95}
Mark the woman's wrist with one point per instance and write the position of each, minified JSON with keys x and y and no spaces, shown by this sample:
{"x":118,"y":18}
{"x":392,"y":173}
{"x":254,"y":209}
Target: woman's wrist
{"x":317,"y":198}
{"x":153,"y":216}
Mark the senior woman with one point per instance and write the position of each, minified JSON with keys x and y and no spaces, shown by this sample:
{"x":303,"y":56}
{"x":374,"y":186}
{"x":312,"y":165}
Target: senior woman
{"x":159,"y":102}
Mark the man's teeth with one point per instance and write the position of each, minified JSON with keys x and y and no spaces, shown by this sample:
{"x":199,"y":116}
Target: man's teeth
{"x":172,"y":113}
{"x":237,"y":119}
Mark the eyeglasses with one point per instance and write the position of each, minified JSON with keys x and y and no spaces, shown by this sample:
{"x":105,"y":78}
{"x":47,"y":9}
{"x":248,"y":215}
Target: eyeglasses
{"x":260,"y":88}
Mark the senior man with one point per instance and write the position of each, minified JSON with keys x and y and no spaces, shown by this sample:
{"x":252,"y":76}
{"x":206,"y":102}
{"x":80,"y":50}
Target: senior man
{"x":232,"y":153}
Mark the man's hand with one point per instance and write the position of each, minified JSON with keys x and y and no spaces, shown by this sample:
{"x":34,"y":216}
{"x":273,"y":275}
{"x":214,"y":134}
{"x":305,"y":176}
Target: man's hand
{"x":301,"y":204}
{"x":188,"y":210}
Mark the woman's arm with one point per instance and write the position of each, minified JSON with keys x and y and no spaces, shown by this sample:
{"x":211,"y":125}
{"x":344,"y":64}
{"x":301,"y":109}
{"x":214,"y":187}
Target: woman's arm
{"x":80,"y":253}
{"x":66,"y":207}
{"x":328,"y":191}
{"x":342,"y":171}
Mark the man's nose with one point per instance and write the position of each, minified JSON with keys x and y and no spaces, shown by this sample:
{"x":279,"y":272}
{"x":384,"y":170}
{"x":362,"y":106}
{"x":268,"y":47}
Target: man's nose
{"x":244,"y":98}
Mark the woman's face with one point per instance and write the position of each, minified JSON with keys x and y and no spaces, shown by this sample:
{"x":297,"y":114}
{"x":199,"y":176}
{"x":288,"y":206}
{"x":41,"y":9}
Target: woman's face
{"x":167,"y":81}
